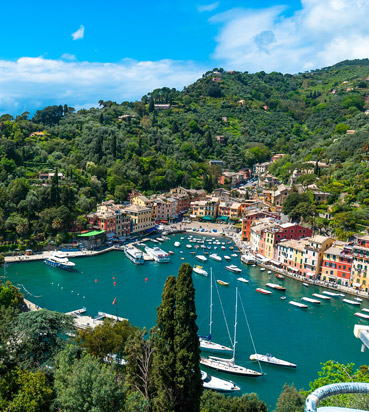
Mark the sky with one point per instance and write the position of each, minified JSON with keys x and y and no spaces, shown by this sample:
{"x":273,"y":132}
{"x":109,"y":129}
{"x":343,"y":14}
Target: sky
{"x":79,"y":52}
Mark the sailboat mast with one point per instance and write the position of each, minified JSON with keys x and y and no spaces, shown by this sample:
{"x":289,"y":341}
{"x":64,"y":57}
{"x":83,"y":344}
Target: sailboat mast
{"x":235,"y":328}
{"x":211,"y":301}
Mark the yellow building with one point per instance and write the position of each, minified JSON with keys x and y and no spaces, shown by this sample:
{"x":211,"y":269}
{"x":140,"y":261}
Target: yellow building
{"x":141,"y":218}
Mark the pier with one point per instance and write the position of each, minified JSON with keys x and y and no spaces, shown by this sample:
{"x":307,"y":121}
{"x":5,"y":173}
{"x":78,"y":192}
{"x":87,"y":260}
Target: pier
{"x":103,"y":315}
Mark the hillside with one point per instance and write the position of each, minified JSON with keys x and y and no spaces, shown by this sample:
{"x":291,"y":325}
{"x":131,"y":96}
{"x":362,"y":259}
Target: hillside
{"x":119,"y":146}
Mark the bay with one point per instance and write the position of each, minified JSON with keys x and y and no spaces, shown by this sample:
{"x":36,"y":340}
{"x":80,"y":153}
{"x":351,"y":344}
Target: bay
{"x":305,"y":337}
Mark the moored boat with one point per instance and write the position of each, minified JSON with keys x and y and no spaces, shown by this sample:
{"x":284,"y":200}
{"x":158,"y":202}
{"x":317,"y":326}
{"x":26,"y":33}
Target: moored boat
{"x":234,"y":269}
{"x":305,"y":284}
{"x":279,"y":276}
{"x":318,"y":295}
{"x":271,"y":360}
{"x":201,"y":258}
{"x":362,"y":315}
{"x":134,"y":255}
{"x":365,"y":310}
{"x":334,"y":295}
{"x":263,"y":291}
{"x":216,"y":257}
{"x":199,"y":270}
{"x":59,"y":260}
{"x":177,"y":244}
{"x":221,"y":282}
{"x":310,"y":300}
{"x":227,"y":257}
{"x":351,"y":302}
{"x":275,"y":286}
{"x":358,"y":299}
{"x":248,"y":259}
{"x":158,"y":254}
{"x":298,"y":304}
{"x":217,"y":384}
{"x":188,"y":246}
{"x":243,"y":280}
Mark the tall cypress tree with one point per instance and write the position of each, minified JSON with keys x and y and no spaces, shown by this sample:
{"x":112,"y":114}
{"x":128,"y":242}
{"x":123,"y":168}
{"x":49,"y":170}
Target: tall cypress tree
{"x":186,"y":344}
{"x":164,"y":362}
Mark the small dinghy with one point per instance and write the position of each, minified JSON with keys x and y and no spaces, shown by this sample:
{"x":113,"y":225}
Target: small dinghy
{"x":221,"y":282}
{"x":243,"y":280}
{"x":227,"y":257}
{"x":281,"y":277}
{"x":271,"y":360}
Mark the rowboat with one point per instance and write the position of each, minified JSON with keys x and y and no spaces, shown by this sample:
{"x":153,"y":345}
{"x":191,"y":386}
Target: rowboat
{"x":318,"y":295}
{"x":275,"y":286}
{"x":221,"y":282}
{"x":311,"y":300}
{"x":263,"y":291}
{"x":358,"y":299}
{"x":365,"y":310}
{"x":277,"y":275}
{"x":351,"y":302}
{"x":227,"y":257}
{"x":298,"y":304}
{"x":305,"y":284}
{"x":271,"y":360}
{"x":362,"y":315}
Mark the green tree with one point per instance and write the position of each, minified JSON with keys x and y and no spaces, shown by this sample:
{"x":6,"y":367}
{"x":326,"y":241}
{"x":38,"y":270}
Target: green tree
{"x":54,"y":189}
{"x":290,"y":400}
{"x":83,"y":384}
{"x":186,"y":344}
{"x":38,"y":336}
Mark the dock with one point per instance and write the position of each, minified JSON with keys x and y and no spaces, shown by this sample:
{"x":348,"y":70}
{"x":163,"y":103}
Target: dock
{"x":84,"y":322}
{"x":103,"y":315}
{"x":77,"y":312}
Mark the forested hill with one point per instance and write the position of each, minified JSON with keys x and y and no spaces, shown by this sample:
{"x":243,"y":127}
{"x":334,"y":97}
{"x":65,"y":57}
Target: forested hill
{"x":118,"y":146}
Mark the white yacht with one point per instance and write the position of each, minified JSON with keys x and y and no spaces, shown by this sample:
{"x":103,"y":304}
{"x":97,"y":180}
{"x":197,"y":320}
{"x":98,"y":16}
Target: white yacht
{"x":158,"y":254}
{"x":58,"y":260}
{"x":216,"y":257}
{"x":134,"y":255}
{"x":201,"y":258}
{"x":177,"y":244}
{"x":217,"y":384}
{"x":268,"y":358}
{"x":234,"y":269}
{"x":199,"y":270}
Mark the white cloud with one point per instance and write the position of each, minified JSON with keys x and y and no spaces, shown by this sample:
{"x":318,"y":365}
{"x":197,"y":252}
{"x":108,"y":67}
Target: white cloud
{"x":68,"y":56}
{"x":32,"y":83}
{"x":208,"y":7}
{"x":320,"y":34}
{"x":79,"y":33}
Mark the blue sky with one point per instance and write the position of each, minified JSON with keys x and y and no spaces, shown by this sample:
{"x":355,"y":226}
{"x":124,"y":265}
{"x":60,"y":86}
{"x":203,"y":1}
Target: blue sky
{"x":78,"y":52}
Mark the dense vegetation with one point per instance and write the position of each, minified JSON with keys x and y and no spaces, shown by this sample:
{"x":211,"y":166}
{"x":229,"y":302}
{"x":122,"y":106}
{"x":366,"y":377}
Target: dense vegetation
{"x":102,"y":154}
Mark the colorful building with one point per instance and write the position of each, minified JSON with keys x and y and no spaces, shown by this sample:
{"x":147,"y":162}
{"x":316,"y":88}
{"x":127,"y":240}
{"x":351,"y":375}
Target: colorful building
{"x":141,"y":218}
{"x":314,"y":255}
{"x":336,"y":265}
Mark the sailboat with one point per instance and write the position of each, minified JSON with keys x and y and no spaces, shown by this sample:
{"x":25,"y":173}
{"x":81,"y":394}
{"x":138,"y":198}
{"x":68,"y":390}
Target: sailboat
{"x":205,"y":342}
{"x":228,"y":365}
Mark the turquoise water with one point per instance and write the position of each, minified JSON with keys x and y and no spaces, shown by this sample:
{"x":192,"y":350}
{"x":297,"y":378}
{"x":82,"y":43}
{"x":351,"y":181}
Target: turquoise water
{"x":305,"y":337}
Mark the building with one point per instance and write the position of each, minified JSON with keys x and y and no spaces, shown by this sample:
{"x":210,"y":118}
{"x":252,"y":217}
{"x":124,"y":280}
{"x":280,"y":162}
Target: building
{"x":336,"y":265}
{"x":141,"y":201}
{"x":360,"y":263}
{"x":92,"y":240}
{"x":141,"y":218}
{"x":216,"y":163}
{"x":205,"y":208}
{"x":291,"y":255}
{"x":251,"y":217}
{"x":261,"y":168}
{"x":314,"y":251}
{"x":165,"y":209}
{"x":232,"y":210}
{"x":49,"y":176}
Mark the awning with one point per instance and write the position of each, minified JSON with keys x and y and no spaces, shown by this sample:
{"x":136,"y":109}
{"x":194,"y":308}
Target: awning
{"x":193,"y":216}
{"x":110,"y":235}
{"x":208,"y":218}
{"x":310,"y":274}
{"x":356,"y":285}
{"x":224,"y":218}
{"x":294,"y":269}
{"x":275,"y":262}
{"x":164,"y":221}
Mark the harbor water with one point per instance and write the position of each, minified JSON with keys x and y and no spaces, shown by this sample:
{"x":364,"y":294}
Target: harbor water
{"x":305,"y":337}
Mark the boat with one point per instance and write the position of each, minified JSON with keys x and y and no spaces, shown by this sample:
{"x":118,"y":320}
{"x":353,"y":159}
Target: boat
{"x":205,"y":342}
{"x":193,"y":253}
{"x":277,"y":275}
{"x":248,"y":259}
{"x":171,"y":252}
{"x":351,"y":302}
{"x":263,"y":291}
{"x":233,"y":268}
{"x":221,"y":282}
{"x":282,"y":298}
{"x":334,"y":295}
{"x":177,"y":244}
{"x":318,"y":295}
{"x":275,"y":286}
{"x":358,"y":299}
{"x":305,"y":284}
{"x":158,"y":254}
{"x":234,"y":255}
{"x":227,"y":257}
{"x":217,"y":384}
{"x":269,"y":272}
{"x":228,"y":365}
{"x":222,"y":247}
{"x":316,"y":301}
{"x":188,"y":246}
{"x":199,"y":270}
{"x":58,"y":260}
{"x":243,"y":280}
{"x":160,"y":239}
{"x":365,"y":310}
{"x":298,"y":304}
{"x":216,"y":257}
{"x":362,"y":315}
{"x":231,"y":247}
{"x":201,"y":258}
{"x":134,"y":255}
{"x":271,"y":360}
{"x":154,"y":240}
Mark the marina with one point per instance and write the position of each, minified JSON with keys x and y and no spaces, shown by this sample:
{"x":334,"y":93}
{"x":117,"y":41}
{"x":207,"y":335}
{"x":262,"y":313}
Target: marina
{"x":138,"y":290}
